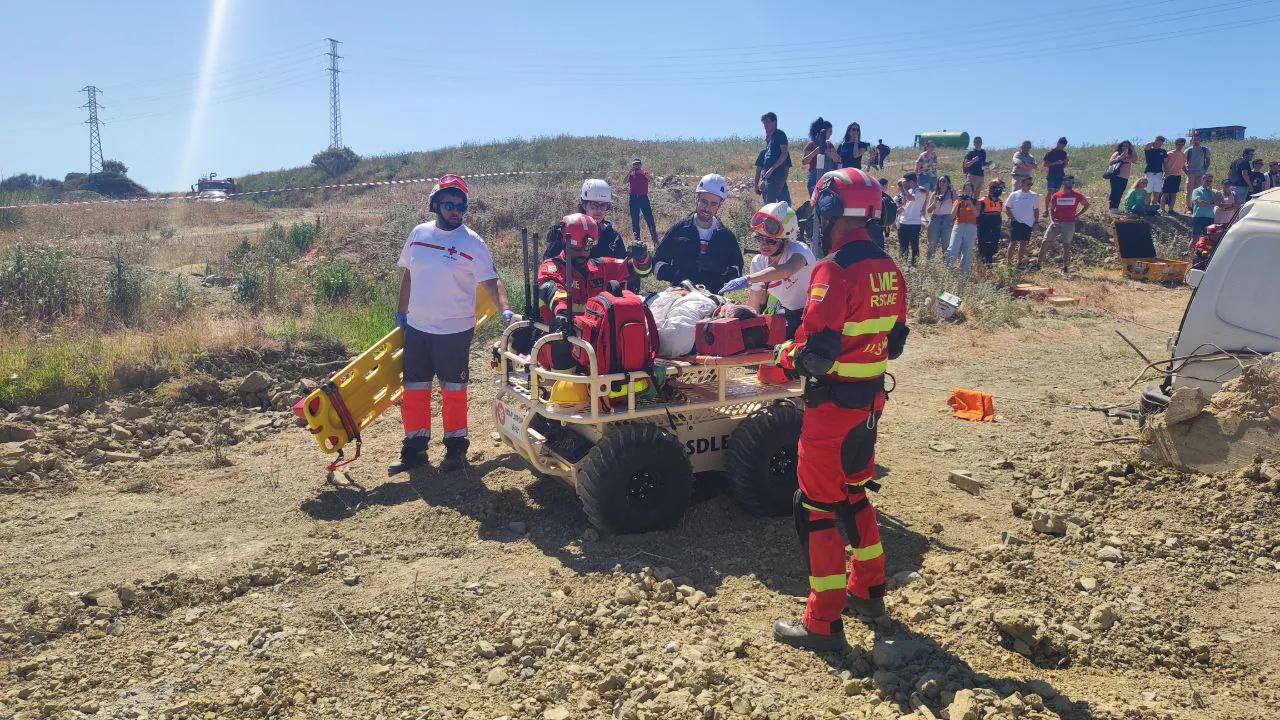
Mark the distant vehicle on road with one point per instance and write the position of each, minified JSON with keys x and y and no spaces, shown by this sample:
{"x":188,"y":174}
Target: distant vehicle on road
{"x":213,"y":189}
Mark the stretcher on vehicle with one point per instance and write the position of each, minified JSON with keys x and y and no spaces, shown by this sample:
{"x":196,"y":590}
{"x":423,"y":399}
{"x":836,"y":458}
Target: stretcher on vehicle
{"x":632,"y":458}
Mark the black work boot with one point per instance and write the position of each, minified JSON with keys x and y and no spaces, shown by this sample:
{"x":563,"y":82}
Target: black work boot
{"x":795,"y":634}
{"x":455,"y":453}
{"x":864,"y":610}
{"x":413,"y":454}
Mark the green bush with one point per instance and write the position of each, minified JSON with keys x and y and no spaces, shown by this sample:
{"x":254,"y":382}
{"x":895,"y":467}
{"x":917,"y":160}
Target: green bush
{"x":301,"y":236}
{"x":178,"y":297}
{"x":11,"y":219}
{"x":333,"y":280}
{"x":124,"y":291}
{"x":335,"y":161}
{"x":36,"y":283}
{"x":251,"y":289}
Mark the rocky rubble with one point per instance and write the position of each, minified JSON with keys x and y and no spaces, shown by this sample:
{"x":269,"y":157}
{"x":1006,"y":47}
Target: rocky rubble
{"x":210,"y":409}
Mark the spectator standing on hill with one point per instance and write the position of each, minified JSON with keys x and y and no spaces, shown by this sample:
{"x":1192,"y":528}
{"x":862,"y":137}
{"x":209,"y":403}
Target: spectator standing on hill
{"x":1225,"y":203}
{"x":1257,"y":178}
{"x":882,"y":154}
{"x":964,"y":233}
{"x":851,"y":149}
{"x":990,"y":209}
{"x":1023,"y":163}
{"x":975,"y":164}
{"x":1055,"y":168}
{"x":700,"y":248}
{"x":819,"y":154}
{"x":1155,"y":155}
{"x":910,"y":217}
{"x":638,"y":180}
{"x":1201,"y":206}
{"x":1174,"y":164}
{"x":878,"y":228}
{"x":1136,"y":201}
{"x":927,"y":167}
{"x":1023,"y":208}
{"x":1239,"y":175}
{"x":941,"y":201}
{"x":773,"y":162}
{"x":1122,"y":158}
{"x":1198,"y":161}
{"x":1065,"y":207}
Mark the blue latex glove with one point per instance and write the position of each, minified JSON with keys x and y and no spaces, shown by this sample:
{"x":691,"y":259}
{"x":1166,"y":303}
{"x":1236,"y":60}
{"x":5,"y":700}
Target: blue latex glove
{"x":737,"y":283}
{"x":507,"y":317}
{"x":402,"y":319}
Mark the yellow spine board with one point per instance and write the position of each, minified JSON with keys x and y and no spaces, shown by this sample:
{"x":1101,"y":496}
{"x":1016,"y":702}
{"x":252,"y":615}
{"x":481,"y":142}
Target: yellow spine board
{"x":368,"y":385}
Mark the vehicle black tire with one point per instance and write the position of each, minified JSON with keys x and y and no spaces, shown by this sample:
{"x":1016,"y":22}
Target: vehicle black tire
{"x":763,"y":457}
{"x":637,"y":479}
{"x":1152,"y":402}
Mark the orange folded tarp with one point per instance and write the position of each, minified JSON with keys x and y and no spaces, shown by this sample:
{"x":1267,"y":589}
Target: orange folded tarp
{"x":972,"y":405}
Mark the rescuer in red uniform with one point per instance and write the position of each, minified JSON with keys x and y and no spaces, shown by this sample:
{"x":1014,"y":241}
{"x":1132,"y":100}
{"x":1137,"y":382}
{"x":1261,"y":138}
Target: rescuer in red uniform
{"x":589,"y":277}
{"x":854,"y":323}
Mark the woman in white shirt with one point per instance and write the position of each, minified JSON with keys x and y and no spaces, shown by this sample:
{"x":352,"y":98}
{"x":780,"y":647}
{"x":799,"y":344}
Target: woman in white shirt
{"x":941,"y":201}
{"x":781,"y":269}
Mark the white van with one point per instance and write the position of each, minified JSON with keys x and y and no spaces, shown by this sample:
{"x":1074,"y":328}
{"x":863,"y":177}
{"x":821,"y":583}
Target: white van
{"x":1234,"y":310}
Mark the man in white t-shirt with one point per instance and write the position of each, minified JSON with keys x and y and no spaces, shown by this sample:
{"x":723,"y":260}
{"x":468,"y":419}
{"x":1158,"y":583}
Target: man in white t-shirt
{"x":1023,"y":208}
{"x":443,"y":262}
{"x":781,"y":269}
{"x":910,"y":218}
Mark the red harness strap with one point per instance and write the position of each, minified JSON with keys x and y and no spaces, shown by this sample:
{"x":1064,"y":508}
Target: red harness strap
{"x":348,"y":425}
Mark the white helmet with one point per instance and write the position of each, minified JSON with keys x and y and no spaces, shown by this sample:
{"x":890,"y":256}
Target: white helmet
{"x":713,"y":184}
{"x":597,"y":190}
{"x":776,"y":220}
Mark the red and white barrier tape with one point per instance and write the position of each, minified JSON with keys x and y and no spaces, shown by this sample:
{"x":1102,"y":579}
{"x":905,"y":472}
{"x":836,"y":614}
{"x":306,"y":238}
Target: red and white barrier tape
{"x":229,"y":196}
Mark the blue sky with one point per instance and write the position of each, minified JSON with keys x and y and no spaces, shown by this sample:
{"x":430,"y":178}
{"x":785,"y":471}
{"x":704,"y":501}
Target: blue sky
{"x":428,"y":74}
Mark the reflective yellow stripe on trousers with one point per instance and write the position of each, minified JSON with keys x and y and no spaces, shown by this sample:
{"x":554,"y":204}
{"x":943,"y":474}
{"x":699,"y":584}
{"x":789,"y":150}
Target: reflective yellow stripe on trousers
{"x":828,"y":582}
{"x":871,"y":552}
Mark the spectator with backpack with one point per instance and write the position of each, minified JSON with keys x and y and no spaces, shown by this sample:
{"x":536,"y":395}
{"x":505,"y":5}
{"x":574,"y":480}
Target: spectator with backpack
{"x":700,"y":248}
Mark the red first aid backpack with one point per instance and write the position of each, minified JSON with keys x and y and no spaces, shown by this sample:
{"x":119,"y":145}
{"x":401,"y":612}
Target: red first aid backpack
{"x":622,"y":331}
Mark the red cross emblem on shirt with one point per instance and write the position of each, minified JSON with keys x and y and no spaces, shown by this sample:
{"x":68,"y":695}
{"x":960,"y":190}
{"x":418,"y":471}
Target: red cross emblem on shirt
{"x":453,"y":251}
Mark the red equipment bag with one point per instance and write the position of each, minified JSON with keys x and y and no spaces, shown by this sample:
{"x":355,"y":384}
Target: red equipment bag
{"x":622,"y":331}
{"x":730,"y":336}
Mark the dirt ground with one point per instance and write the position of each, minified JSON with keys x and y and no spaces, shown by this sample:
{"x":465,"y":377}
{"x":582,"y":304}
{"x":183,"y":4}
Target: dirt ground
{"x":253,"y":590}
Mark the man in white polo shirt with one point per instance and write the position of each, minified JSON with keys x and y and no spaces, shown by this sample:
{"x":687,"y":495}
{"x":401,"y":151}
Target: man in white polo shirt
{"x":1023,"y":208}
{"x":443,"y":262}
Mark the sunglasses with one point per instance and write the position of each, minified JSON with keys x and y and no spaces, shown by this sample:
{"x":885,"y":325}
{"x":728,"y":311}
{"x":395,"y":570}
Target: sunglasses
{"x":763,"y":240}
{"x":451,"y":206}
{"x":766,"y":225}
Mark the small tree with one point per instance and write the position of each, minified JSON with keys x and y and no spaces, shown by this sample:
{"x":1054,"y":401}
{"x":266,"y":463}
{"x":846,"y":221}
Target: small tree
{"x":335,"y":161}
{"x":114,"y":167}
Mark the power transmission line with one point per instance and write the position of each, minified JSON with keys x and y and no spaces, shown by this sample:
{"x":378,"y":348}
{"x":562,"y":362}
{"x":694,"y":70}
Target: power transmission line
{"x":335,"y":109}
{"x":95,"y":141}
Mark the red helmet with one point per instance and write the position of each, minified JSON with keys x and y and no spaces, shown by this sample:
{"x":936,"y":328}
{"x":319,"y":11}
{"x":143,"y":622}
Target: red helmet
{"x":580,"y":232}
{"x":847,"y":192}
{"x":446,"y":182}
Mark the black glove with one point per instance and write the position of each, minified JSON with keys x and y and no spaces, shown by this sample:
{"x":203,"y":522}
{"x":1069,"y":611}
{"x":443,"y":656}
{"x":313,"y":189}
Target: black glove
{"x":561,"y":323}
{"x":638,"y":251}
